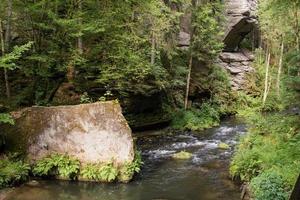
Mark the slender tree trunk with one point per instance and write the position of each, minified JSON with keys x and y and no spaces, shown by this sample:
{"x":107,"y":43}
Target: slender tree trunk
{"x":296,"y":25}
{"x":296,"y":192}
{"x":6,"y":43}
{"x":8,"y":25}
{"x":267,"y":79}
{"x":3,"y":53}
{"x":79,"y":40}
{"x":153,"y":51}
{"x":188,"y":80}
{"x":279,"y":69}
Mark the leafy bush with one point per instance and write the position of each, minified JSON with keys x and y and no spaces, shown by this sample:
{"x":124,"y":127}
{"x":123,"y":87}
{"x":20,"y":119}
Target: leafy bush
{"x":135,"y":166}
{"x":272,"y":146}
{"x":90,"y":172}
{"x":57,"y":165}
{"x":12,"y":172}
{"x":128,"y":170}
{"x":100,"y":172}
{"x":108,"y":173}
{"x":269,"y":185}
{"x":245,"y":165}
{"x":85,"y":98}
{"x":197,"y":119}
{"x":6,"y":118}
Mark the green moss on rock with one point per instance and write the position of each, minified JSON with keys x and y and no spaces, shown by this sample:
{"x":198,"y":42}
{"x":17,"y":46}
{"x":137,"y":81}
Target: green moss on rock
{"x":182,"y":155}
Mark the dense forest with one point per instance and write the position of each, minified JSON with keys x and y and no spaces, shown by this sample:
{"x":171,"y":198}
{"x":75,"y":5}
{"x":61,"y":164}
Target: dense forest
{"x":162,"y":60}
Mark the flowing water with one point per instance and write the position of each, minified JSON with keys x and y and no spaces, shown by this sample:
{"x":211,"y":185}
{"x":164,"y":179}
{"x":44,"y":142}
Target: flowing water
{"x":203,"y":177}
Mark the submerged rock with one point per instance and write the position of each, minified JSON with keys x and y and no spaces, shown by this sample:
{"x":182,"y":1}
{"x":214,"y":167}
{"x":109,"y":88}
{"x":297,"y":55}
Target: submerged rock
{"x":91,"y":133}
{"x":223,"y":145}
{"x":182,"y":155}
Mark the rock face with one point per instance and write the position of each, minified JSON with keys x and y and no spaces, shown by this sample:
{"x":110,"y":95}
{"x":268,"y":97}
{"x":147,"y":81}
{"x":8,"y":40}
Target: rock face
{"x":241,"y":20}
{"x":238,"y":65}
{"x":92,"y":133}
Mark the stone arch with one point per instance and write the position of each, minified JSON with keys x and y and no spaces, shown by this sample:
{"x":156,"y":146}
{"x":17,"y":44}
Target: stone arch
{"x":241,"y":20}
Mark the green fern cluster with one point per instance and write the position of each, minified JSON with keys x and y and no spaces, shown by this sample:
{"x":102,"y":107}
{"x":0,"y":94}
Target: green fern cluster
{"x":57,"y":165}
{"x":98,"y":172}
{"x":109,"y":173}
{"x":135,"y":167}
{"x":13,"y":172}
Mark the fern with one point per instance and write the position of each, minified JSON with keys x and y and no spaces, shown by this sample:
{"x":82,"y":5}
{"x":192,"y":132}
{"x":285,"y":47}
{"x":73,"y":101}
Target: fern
{"x":108,"y":172}
{"x":12,"y":172}
{"x":56,"y":164}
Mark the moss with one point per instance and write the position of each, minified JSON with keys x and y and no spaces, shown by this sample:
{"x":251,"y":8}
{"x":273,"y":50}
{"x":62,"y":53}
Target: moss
{"x":182,"y":155}
{"x":223,"y":145}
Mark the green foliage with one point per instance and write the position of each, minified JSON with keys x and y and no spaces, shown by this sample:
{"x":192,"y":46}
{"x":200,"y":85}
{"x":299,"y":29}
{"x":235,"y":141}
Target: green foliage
{"x":90,"y":172}
{"x":197,"y":119}
{"x":269,"y":152}
{"x":269,"y":185}
{"x":6,"y":118}
{"x":108,"y":173}
{"x":13,"y":172}
{"x":85,"y":98}
{"x":135,"y":166}
{"x":9,"y":60}
{"x":207,"y":36}
{"x":99,"y":172}
{"x":57,"y":165}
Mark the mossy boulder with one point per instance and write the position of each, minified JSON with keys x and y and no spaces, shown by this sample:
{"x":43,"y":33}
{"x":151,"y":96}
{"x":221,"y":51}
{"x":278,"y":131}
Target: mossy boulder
{"x":182,"y":155}
{"x":223,"y":145}
{"x":91,"y":133}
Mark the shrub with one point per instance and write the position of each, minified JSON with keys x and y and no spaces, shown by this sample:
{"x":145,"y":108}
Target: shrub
{"x":108,"y":172}
{"x":128,"y":170}
{"x":6,"y":118}
{"x":269,"y":185}
{"x":90,"y":172}
{"x":13,"y":172}
{"x":57,"y":165}
{"x":245,"y":165}
{"x":271,"y":148}
{"x":100,"y":172}
{"x":197,"y":119}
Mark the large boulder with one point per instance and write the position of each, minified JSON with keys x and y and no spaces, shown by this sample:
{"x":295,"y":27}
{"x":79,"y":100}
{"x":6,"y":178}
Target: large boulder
{"x":92,"y":133}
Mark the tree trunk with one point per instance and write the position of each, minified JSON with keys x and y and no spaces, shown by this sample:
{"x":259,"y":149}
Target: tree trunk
{"x":296,"y":192}
{"x":3,"y":53}
{"x":6,"y":44}
{"x":296,"y":25}
{"x":279,"y":69}
{"x":266,"y":79}
{"x":79,"y":40}
{"x":153,"y":51}
{"x":188,"y":84}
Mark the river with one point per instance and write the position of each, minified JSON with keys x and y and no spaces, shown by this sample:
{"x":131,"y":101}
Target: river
{"x":202,"y":177}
